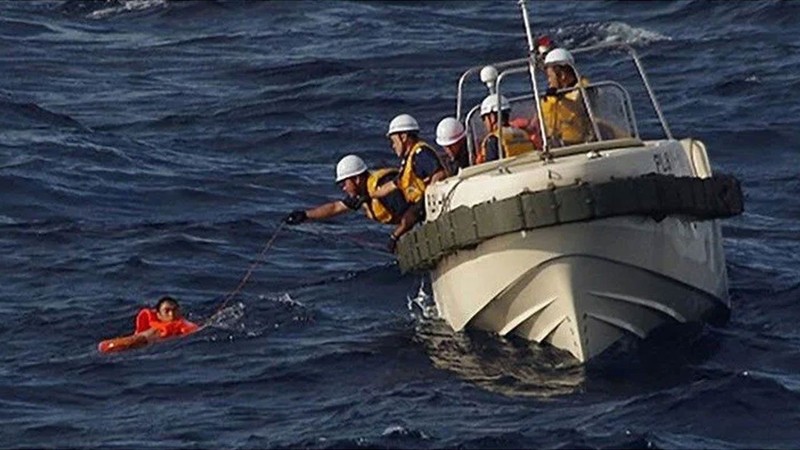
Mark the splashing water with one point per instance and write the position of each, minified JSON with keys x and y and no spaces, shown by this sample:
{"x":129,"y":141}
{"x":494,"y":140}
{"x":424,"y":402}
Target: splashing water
{"x":227,"y":318}
{"x":422,"y":306}
{"x":126,"y":6}
{"x":284,"y":298}
{"x":585,"y":34}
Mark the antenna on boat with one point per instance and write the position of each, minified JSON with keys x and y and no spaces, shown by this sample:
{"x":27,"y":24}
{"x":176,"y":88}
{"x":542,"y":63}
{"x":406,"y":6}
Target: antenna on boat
{"x":489,"y":78}
{"x":532,"y":55}
{"x":531,"y":45}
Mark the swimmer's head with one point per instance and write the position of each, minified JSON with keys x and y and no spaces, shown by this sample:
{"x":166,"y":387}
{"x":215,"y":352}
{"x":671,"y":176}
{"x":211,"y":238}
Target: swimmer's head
{"x":167,"y":309}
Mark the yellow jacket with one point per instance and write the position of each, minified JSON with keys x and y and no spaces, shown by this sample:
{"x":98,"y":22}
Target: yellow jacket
{"x":374,"y":208}
{"x":413,"y":187}
{"x":565,"y":117}
{"x":515,"y":142}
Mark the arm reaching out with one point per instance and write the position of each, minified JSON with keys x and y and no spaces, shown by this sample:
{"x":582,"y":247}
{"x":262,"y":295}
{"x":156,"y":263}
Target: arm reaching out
{"x":318,"y":213}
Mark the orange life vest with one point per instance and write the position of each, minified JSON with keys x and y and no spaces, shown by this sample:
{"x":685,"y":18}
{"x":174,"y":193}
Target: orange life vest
{"x":515,"y":142}
{"x":148,"y":319}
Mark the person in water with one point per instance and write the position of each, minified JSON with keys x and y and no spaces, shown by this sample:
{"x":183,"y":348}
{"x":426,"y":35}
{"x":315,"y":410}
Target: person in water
{"x":163,"y":321}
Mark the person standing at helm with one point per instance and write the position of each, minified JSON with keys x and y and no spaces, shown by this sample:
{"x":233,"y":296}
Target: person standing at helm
{"x":419,"y":167}
{"x":359,"y":184}
{"x":565,"y":117}
{"x":515,"y":140}
{"x":452,"y":137}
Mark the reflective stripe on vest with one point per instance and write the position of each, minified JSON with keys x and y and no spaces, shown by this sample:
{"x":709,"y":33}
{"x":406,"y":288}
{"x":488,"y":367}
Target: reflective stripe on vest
{"x":374,"y":208}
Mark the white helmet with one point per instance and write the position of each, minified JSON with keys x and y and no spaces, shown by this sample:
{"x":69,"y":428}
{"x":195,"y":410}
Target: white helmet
{"x":489,"y":104}
{"x":349,"y":166}
{"x":402,"y":123}
{"x":449,"y":131}
{"x":559,"y":56}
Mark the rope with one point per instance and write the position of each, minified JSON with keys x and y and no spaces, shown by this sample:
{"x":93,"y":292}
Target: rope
{"x":247,"y":275}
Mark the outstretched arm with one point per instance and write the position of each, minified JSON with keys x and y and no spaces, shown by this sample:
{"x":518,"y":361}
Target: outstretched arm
{"x":149,"y":336}
{"x":324,"y":211}
{"x":327,"y":210}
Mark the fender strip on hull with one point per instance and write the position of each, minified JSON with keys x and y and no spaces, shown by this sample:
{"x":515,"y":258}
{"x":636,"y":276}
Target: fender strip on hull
{"x":652,"y":195}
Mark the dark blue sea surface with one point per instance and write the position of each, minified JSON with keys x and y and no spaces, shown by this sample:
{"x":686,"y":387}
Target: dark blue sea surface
{"x":151,"y":147}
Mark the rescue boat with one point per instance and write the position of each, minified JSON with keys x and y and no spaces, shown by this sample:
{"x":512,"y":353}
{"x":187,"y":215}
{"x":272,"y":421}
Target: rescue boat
{"x":577,"y":245}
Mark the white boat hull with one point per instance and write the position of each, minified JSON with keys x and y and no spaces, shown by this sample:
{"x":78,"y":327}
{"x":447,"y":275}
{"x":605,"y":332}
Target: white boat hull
{"x":582,"y":286}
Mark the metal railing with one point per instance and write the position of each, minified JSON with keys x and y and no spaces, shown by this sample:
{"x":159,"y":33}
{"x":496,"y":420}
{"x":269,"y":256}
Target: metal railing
{"x":521,"y":65}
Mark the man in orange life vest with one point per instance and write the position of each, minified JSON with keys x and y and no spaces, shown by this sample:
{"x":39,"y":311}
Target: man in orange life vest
{"x":419,"y":167}
{"x":164,"y":321}
{"x":359,"y":184}
{"x":515,"y":140}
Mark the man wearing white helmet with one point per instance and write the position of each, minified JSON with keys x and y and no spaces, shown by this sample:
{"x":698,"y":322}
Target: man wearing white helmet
{"x":515,"y":141}
{"x":420,"y":166}
{"x":565,"y":117}
{"x":359,"y":184}
{"x":452,"y":137}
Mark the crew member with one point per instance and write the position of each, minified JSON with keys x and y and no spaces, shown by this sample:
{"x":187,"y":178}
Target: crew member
{"x":359,"y":184}
{"x":515,"y":140}
{"x":450,"y":135}
{"x":420,"y":166}
{"x":565,"y":117}
{"x":163,"y":321}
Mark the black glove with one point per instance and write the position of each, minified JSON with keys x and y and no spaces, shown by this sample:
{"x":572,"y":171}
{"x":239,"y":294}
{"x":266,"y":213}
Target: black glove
{"x":295,"y":217}
{"x":392,"y":245}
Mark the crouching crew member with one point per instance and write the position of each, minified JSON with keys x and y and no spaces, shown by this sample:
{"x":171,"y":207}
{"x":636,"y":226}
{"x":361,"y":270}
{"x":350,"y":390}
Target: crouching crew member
{"x":359,"y":184}
{"x":419,"y":167}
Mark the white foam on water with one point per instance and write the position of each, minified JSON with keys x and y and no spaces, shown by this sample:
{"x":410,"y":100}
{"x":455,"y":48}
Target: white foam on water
{"x":227,"y":318}
{"x":622,"y":32}
{"x":284,"y":298}
{"x":127,"y":6}
{"x":399,"y":430}
{"x":422,"y":305}
{"x":587,"y":34}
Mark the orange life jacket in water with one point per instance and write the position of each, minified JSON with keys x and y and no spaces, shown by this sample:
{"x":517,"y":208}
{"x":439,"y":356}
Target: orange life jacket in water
{"x":148,"y":318}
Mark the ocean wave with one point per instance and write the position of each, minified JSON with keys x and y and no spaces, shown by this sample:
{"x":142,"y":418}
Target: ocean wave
{"x":596,"y":33}
{"x":108,"y":8}
{"x":21,"y":29}
{"x":211,"y":120}
{"x":21,"y":115}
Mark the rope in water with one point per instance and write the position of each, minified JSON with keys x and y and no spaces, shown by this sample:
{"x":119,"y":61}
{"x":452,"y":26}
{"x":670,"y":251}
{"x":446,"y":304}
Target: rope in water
{"x":232,"y":294}
{"x":260,"y":259}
